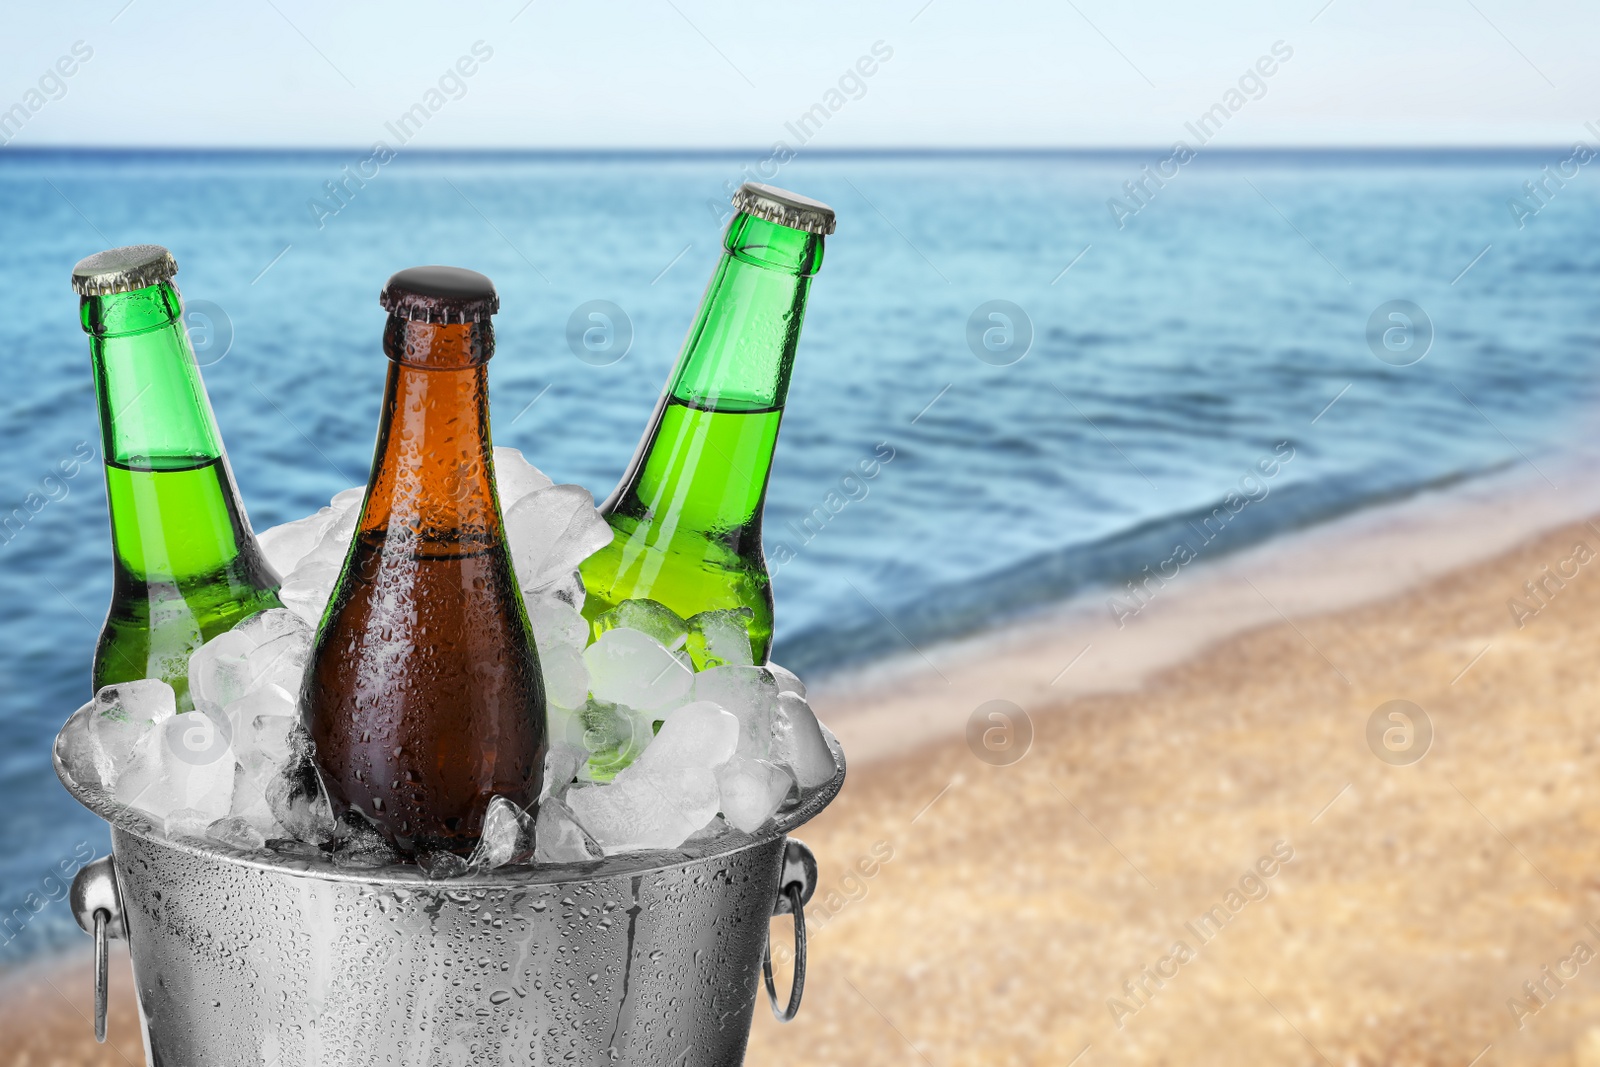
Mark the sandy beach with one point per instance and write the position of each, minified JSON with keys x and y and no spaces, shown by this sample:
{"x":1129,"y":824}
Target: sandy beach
{"x":1199,"y":858}
{"x":1033,"y":913}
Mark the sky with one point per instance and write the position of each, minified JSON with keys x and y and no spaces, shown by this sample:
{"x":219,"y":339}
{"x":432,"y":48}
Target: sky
{"x":720,"y":74}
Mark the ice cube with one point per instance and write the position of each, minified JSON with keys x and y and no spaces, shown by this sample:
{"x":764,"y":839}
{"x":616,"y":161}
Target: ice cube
{"x":750,"y":694}
{"x":219,"y":672}
{"x":788,"y":681}
{"x":564,"y":725}
{"x":679,"y":800}
{"x":266,"y":626}
{"x":286,"y":545}
{"x":507,"y":836}
{"x":185,"y":762}
{"x":700,"y":735}
{"x":269,"y":647}
{"x":74,"y":751}
{"x":632,"y":668}
{"x":289,"y":846}
{"x":119,"y":718}
{"x":297,"y":799}
{"x":561,"y":763}
{"x":262,"y":723}
{"x":659,"y":621}
{"x":339,"y":532}
{"x":566,"y":679}
{"x":720,"y":639}
{"x":568,"y":589}
{"x":267,"y":745}
{"x":646,"y":810}
{"x":556,"y":623}
{"x":237,"y":833}
{"x":752,"y":791}
{"x":249,"y":802}
{"x":613,"y":735}
{"x":308,"y":591}
{"x":442,"y":865}
{"x":322,"y":574}
{"x":515,"y":477}
{"x":665,"y":794}
{"x":712,"y":830}
{"x":360,"y":844}
{"x":334,"y":544}
{"x":281,"y":661}
{"x":559,"y":839}
{"x":551,"y":531}
{"x":797,"y":742}
{"x":188,"y":822}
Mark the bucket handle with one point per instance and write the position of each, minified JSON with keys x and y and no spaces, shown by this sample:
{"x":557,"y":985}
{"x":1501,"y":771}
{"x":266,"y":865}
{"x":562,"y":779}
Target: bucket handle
{"x":97,"y":905}
{"x":796,"y":883}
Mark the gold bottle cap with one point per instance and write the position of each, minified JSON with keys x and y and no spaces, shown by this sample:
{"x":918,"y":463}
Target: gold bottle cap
{"x":122,"y":270}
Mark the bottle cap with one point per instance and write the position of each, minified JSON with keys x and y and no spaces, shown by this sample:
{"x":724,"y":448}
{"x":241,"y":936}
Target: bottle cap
{"x":785,"y":208}
{"x":122,"y":270}
{"x":439,"y":294}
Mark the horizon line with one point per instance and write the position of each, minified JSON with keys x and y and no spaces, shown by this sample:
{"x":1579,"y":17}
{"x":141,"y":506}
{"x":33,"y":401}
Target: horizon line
{"x":905,"y":151}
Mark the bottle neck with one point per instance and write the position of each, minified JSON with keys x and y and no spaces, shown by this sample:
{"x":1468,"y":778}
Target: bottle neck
{"x":432,"y":486}
{"x":154,"y":413}
{"x":740,"y":349}
{"x":175,"y":514}
{"x":704,"y":462}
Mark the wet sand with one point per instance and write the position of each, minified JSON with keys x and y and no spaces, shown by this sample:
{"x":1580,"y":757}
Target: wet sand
{"x":1198,"y":859}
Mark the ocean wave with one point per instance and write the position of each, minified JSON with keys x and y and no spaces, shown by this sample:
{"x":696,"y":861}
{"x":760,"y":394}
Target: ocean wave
{"x":1049,"y":578}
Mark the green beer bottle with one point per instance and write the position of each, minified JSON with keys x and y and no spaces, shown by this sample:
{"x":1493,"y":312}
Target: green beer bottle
{"x":687,"y":514}
{"x":187,"y":566}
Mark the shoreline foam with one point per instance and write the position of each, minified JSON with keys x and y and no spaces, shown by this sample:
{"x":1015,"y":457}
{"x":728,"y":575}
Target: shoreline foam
{"x":1075,"y":649}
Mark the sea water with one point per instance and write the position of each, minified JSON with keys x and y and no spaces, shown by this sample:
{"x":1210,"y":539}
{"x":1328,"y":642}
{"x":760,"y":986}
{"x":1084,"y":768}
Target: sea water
{"x":939,"y":468}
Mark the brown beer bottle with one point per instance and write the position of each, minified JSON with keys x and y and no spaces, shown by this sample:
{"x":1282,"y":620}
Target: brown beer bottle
{"x":423,"y":694}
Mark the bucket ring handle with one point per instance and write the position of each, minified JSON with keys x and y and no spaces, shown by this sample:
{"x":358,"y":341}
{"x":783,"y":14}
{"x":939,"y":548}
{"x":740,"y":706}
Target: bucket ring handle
{"x":797,"y":882}
{"x":97,"y":905}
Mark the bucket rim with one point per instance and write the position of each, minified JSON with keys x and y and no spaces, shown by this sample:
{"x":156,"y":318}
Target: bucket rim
{"x":130,"y":821}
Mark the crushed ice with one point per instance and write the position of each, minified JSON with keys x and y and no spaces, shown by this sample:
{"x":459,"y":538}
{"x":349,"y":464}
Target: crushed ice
{"x":662,"y":730}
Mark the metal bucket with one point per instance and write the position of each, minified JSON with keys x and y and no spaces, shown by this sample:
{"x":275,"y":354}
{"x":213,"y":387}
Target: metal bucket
{"x":251,"y":958}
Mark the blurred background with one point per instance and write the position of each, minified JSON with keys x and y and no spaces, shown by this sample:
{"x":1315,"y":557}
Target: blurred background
{"x":1235,"y":366}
